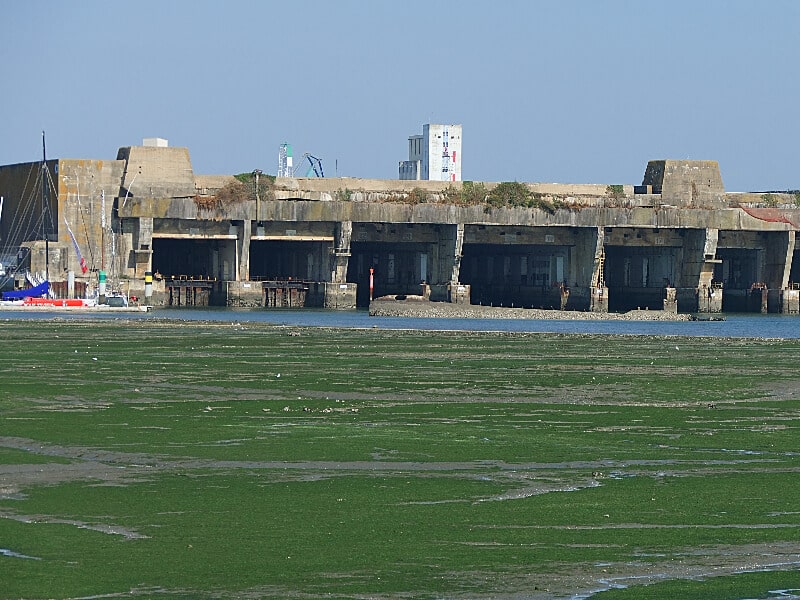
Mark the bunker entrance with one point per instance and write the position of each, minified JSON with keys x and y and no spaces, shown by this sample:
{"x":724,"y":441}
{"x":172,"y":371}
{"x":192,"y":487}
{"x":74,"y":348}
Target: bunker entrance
{"x":285,"y":260}
{"x":524,"y":275}
{"x":181,"y":258}
{"x":794,"y":273}
{"x":741,"y":279}
{"x":398,"y":268}
{"x":637,"y":277}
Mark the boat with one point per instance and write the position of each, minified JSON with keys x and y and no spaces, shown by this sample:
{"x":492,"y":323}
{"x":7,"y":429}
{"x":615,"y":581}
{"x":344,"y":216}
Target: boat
{"x":55,"y":305}
{"x":37,"y":298}
{"x":42,"y":289}
{"x":39,"y":295}
{"x":116,"y":303}
{"x":58,"y":302}
{"x":14,"y":244}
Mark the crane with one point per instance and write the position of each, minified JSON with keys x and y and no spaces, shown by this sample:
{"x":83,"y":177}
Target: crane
{"x":315,"y":165}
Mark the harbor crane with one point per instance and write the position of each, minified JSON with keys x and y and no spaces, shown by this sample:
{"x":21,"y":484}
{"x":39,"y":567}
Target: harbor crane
{"x":314,"y":165}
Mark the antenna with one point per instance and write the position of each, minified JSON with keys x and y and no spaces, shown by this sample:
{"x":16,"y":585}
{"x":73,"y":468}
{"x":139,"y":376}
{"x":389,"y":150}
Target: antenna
{"x":45,"y":232}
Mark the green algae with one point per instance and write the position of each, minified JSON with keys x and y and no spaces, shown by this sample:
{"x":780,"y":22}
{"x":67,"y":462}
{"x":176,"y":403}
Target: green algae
{"x":257,"y":461}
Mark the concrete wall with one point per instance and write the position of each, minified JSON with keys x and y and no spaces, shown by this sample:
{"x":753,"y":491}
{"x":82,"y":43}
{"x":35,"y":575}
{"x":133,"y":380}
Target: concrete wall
{"x":396,"y":212}
{"x":82,"y":184}
{"x":686,"y":182}
{"x":154,"y":172}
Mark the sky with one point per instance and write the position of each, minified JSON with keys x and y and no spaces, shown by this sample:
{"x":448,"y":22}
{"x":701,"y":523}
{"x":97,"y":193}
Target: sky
{"x":565,"y":91}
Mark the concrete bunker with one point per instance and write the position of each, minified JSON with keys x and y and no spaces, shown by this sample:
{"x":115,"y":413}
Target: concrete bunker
{"x":147,"y":211}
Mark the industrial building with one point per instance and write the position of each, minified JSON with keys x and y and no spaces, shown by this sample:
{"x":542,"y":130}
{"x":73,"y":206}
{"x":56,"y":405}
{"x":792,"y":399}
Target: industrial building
{"x":678,"y":242}
{"x":433,"y":156}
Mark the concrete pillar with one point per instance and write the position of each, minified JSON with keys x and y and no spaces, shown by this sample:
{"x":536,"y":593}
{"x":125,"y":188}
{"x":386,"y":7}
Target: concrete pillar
{"x":710,"y":261}
{"x":671,"y":301}
{"x":790,"y":301}
{"x":598,"y":299}
{"x":458,"y":247}
{"x":337,"y":295}
{"x":340,"y":253}
{"x":446,"y":266}
{"x":143,"y":246}
{"x":459,"y":293}
{"x":696,"y":289}
{"x":243,"y":234}
{"x":709,"y":258}
{"x":709,"y":299}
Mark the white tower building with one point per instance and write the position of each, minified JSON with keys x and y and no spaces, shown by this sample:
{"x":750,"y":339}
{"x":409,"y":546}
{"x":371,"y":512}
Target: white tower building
{"x":285,"y":168}
{"x":434,"y":155}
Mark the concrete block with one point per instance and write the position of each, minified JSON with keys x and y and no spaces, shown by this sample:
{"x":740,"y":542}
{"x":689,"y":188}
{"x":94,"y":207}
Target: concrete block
{"x":671,"y":301}
{"x":790,"y":302}
{"x":244,"y":294}
{"x":599,"y":299}
{"x":709,"y":299}
{"x":340,"y":296}
{"x":458,"y":293}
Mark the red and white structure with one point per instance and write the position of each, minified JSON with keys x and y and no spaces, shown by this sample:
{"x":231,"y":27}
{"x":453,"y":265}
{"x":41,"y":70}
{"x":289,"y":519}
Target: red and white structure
{"x":435,"y":155}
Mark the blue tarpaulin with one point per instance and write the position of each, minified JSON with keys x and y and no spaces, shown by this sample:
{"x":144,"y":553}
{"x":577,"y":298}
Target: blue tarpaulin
{"x":34,"y":292}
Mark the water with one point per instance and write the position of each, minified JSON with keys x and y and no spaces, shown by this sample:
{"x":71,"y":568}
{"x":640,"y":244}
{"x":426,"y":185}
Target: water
{"x":735,"y":325}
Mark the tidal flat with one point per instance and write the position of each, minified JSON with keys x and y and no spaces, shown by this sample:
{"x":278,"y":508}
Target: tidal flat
{"x":155,"y":458}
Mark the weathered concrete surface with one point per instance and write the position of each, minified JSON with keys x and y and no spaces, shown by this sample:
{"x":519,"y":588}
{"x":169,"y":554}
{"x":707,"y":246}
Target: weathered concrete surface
{"x":687,"y":183}
{"x":154,"y":172}
{"x":244,"y":294}
{"x":669,"y":232}
{"x":340,"y":296}
{"x":337,"y":188}
{"x":389,"y":212}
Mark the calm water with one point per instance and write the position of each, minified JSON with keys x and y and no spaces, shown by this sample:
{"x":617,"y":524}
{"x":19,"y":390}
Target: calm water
{"x":735,"y":325}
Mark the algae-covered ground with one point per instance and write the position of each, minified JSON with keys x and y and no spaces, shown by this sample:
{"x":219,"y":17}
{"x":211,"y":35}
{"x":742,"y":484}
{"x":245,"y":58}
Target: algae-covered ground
{"x":158,"y":459}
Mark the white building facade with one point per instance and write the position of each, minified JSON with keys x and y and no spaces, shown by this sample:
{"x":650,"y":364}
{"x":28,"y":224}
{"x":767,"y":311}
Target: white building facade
{"x":435,"y":155}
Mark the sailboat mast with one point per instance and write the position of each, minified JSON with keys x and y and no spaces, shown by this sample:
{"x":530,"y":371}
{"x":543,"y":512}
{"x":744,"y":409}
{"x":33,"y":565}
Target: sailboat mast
{"x":102,"y":230}
{"x":44,"y":212}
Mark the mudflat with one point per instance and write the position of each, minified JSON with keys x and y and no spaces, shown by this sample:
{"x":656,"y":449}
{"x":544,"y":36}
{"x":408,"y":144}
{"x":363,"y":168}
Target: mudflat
{"x":154,"y":458}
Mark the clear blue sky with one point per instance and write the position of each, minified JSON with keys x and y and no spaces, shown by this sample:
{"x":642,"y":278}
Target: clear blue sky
{"x":549,"y":91}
